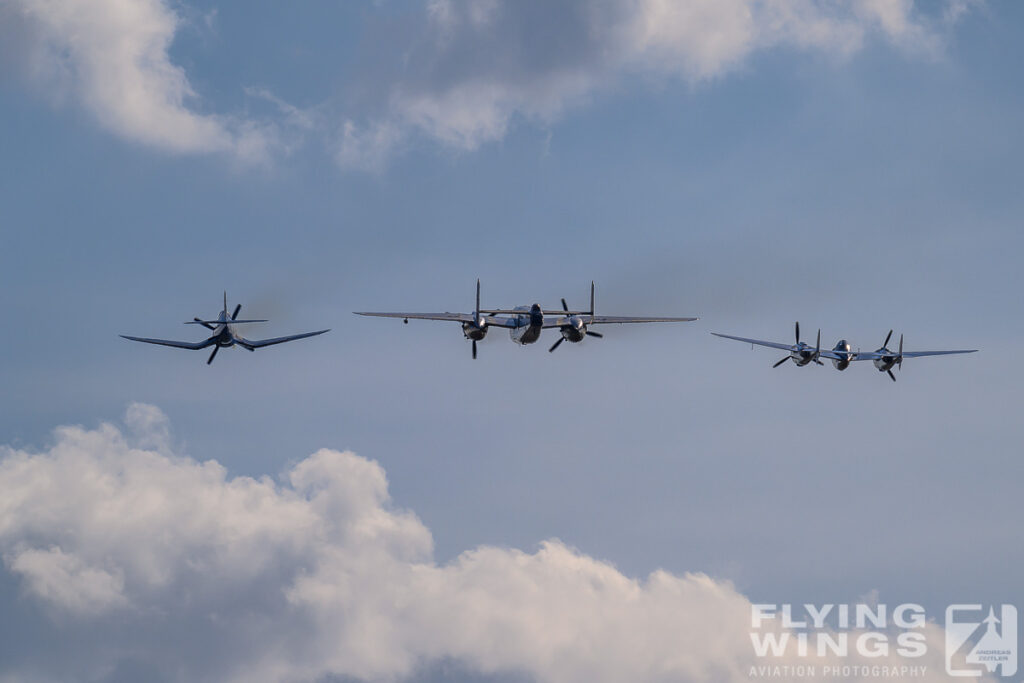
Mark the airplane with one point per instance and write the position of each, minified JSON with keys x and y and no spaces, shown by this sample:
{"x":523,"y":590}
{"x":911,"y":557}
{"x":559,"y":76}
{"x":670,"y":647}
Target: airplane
{"x":525,"y":323}
{"x":842,"y":354}
{"x":224,"y":334}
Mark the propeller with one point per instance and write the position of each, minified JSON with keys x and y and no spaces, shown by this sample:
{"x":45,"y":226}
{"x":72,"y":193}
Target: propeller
{"x":781,"y":362}
{"x":237,"y":309}
{"x":817,"y":349}
{"x":477,"y":318}
{"x":899,"y":358}
{"x":887,"y":337}
{"x":586,"y":332}
{"x":798,"y":333}
{"x":203,"y":323}
{"x":216,"y":348}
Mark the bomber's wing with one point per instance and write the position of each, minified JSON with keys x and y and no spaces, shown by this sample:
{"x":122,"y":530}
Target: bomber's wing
{"x":259,"y":343}
{"x":194,"y":346}
{"x":561,"y":320}
{"x":620,"y":319}
{"x":774,"y":345}
{"x":494,"y":321}
{"x":457,"y":317}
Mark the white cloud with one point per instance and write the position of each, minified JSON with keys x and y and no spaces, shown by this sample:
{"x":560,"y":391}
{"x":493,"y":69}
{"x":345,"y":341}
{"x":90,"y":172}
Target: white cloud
{"x":482,"y":64}
{"x":169,"y":564}
{"x":476,"y":66}
{"x":111,"y":56}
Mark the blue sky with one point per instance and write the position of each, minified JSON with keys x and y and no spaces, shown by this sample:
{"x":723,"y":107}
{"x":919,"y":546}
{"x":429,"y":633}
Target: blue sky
{"x":856,"y":181}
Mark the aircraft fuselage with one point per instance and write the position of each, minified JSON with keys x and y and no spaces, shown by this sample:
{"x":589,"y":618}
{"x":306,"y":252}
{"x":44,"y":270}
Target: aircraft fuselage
{"x":529,"y":324}
{"x":223,"y":333}
{"x":842,"y":348}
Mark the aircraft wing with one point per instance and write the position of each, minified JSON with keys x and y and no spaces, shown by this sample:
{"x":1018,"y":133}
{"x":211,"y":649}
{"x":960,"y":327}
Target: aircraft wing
{"x":259,"y":343}
{"x":617,"y":319}
{"x":561,"y":320}
{"x":194,"y":346}
{"x":457,"y":317}
{"x":774,"y":345}
{"x":873,"y":355}
{"x":918,"y":354}
{"x":493,"y":321}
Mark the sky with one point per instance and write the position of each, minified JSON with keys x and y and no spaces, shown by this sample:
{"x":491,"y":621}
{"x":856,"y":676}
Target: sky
{"x":372,"y":504}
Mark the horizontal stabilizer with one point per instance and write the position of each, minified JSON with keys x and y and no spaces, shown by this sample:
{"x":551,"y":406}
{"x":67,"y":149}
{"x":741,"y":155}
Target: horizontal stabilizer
{"x":221,"y":322}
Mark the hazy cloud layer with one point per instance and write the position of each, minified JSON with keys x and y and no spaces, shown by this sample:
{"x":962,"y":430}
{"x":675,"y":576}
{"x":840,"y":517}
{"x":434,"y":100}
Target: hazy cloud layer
{"x":145,"y":561}
{"x":481,"y":63}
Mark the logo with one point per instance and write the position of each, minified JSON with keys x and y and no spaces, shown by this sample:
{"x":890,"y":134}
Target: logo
{"x":978,"y":644}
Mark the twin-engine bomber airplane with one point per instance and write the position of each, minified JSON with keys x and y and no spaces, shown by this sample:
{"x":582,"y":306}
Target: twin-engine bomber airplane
{"x":224,"y":334}
{"x":526,"y":322}
{"x":842,"y":355}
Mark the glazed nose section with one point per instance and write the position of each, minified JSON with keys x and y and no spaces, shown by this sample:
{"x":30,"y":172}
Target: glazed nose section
{"x":535,"y":308}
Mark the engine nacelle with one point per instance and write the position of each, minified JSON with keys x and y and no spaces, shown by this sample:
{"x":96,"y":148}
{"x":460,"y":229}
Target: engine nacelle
{"x":475,"y":331}
{"x":575,"y":331}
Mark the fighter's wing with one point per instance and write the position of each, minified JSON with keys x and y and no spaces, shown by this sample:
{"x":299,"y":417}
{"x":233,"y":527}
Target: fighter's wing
{"x":868,"y":355}
{"x":774,"y":345}
{"x":873,"y":355}
{"x":176,"y":344}
{"x":918,"y":354}
{"x":457,"y":317}
{"x":259,"y":343}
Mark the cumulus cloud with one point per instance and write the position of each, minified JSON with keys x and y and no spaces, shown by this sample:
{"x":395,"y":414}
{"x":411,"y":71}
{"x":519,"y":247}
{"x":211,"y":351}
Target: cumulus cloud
{"x":148,"y":562}
{"x":474,"y":68}
{"x":111,"y":56}
{"x":482,"y":63}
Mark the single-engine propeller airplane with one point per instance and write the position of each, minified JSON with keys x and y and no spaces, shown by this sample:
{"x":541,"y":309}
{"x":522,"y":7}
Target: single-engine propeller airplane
{"x":224,"y":334}
{"x":842,"y":354}
{"x":526,"y":322}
